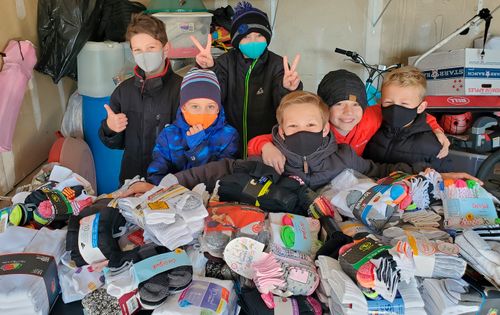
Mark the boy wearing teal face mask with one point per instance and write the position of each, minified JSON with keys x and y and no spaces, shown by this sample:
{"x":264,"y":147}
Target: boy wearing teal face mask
{"x":253,"y":79}
{"x":141,"y":106}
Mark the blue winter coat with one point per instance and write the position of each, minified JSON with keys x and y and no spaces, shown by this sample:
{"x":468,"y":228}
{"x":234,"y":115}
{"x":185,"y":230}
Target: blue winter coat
{"x":176,"y":151}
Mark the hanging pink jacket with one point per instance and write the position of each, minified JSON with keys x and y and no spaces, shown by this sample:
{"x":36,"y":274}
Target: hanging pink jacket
{"x":19,"y":60}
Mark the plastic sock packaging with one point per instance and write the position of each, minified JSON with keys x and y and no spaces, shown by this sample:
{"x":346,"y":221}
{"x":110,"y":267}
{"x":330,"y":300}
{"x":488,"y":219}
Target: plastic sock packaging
{"x":294,"y":232}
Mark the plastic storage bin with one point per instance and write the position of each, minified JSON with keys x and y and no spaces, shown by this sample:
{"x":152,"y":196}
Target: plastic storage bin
{"x":175,"y":6}
{"x":98,"y":63}
{"x":107,"y":161}
{"x":466,"y":161}
{"x":180,"y":26}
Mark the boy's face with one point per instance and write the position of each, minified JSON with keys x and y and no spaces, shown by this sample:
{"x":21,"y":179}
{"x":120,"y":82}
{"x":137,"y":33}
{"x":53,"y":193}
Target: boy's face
{"x":141,"y":43}
{"x":408,"y":97}
{"x":252,"y":37}
{"x":302,"y":117}
{"x":198,"y":106}
{"x":345,"y":115}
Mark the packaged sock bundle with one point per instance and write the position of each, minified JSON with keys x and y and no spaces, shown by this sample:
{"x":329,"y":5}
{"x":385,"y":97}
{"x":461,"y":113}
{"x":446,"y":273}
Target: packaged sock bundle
{"x":156,"y":273}
{"x":343,"y":294}
{"x":229,"y":220}
{"x":480,"y":255}
{"x":92,"y":235}
{"x":284,"y":276}
{"x":252,"y":304}
{"x":202,"y":296}
{"x":432,"y":259}
{"x":372,"y":266}
{"x":422,"y":218}
{"x":466,"y":204}
{"x":444,"y":297}
{"x":100,"y":303}
{"x":357,"y":196}
{"x":28,"y":275}
{"x":295,"y":232}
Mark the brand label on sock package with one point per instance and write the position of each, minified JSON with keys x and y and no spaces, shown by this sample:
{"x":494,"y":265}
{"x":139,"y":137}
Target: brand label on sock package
{"x":206,"y":295}
{"x":129,"y":304}
{"x":88,"y":239}
{"x":33,"y":264}
{"x":150,"y":267}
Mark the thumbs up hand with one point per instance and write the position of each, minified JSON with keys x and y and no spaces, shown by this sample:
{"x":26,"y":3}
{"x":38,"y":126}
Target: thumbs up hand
{"x":116,"y":122}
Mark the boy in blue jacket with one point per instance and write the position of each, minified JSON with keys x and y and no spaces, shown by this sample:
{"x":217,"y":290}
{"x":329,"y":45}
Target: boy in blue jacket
{"x":199,"y":134}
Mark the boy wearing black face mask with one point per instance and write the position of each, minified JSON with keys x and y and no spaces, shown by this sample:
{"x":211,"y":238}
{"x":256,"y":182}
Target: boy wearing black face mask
{"x":404,"y":135}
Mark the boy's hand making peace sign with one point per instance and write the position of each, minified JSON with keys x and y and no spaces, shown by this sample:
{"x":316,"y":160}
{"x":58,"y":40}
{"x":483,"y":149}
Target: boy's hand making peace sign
{"x":204,"y":58}
{"x":291,"y":79}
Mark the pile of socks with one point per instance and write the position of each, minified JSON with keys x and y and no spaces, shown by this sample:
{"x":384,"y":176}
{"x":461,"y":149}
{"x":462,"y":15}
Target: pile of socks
{"x":170,"y":216}
{"x":481,"y":255}
{"x":295,"y":232}
{"x":25,"y":293}
{"x":449,"y":296}
{"x":432,"y":259}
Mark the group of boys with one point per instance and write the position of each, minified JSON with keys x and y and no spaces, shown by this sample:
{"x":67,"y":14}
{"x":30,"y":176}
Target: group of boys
{"x":195,"y":126}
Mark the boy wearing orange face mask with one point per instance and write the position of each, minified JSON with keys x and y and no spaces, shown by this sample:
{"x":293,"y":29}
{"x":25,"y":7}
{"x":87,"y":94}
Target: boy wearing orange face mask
{"x":199,"y":134}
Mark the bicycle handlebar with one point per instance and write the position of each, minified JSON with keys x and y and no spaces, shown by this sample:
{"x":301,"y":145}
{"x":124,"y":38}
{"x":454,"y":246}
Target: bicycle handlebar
{"x":355,"y":57}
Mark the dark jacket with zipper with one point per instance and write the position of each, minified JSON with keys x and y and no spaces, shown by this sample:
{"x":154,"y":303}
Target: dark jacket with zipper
{"x":256,"y":85}
{"x":149,"y":105}
{"x":412,"y":144}
{"x":320,"y":167}
{"x":316,"y":169}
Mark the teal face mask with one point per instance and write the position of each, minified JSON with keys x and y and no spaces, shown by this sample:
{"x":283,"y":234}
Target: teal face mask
{"x":253,"y":49}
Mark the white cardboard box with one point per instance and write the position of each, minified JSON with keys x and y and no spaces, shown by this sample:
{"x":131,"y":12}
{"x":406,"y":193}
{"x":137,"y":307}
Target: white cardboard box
{"x":461,"y":72}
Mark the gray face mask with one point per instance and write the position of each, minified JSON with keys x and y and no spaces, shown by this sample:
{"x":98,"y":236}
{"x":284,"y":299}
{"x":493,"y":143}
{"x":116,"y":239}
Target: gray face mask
{"x":149,"y":61}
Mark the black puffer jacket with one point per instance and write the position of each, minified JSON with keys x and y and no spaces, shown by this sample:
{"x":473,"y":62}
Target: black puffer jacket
{"x":264,"y":92}
{"x":415,"y":143}
{"x":149,"y":105}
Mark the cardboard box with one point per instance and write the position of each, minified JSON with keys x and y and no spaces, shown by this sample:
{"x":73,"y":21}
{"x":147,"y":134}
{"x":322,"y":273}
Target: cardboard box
{"x":461,"y":72}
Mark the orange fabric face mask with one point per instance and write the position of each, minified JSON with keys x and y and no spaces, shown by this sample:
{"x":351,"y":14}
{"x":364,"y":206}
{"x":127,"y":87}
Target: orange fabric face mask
{"x":206,"y":120}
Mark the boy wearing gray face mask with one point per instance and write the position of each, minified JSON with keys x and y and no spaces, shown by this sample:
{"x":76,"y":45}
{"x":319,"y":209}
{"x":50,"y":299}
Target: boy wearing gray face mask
{"x":141,"y":106}
{"x":404,"y":135}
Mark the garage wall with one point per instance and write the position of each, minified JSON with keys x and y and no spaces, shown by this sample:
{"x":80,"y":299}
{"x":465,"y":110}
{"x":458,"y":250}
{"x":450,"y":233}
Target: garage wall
{"x":43,"y":105}
{"x":406,"y":28}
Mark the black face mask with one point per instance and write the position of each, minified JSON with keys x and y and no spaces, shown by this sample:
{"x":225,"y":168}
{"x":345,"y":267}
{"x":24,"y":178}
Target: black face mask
{"x":398,"y":116}
{"x":304,"y":143}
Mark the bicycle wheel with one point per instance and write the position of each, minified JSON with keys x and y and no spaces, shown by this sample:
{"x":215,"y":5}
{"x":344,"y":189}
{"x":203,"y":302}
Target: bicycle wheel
{"x":489,"y":173}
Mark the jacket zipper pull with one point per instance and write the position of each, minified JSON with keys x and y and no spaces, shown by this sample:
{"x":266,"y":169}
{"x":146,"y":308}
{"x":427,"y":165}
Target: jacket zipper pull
{"x":158,"y":124}
{"x":306,"y":166}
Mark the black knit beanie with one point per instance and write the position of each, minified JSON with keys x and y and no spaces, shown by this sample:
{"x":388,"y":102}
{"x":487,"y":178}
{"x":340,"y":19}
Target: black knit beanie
{"x":342,"y":85}
{"x":248,"y":19}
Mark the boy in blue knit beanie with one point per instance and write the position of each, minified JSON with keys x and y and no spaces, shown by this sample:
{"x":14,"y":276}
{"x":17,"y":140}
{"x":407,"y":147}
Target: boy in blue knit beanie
{"x":199,"y":134}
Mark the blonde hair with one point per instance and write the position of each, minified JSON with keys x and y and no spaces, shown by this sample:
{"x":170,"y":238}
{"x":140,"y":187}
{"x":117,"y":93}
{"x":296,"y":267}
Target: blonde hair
{"x":407,"y":76}
{"x":302,"y":97}
{"x":146,"y":24}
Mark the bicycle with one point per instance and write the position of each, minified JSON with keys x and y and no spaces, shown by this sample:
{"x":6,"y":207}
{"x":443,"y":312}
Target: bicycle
{"x":375,"y":73}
